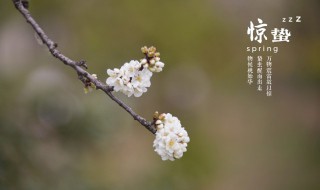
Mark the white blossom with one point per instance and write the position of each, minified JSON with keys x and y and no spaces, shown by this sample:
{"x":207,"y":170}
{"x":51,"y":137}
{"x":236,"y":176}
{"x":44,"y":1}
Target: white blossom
{"x":171,"y":138}
{"x":130,"y":79}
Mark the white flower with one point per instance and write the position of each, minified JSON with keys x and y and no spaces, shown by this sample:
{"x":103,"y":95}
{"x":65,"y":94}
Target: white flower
{"x":130,"y":79}
{"x":171,"y":138}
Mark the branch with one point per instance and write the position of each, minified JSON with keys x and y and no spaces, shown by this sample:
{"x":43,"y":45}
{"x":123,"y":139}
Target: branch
{"x":79,"y":67}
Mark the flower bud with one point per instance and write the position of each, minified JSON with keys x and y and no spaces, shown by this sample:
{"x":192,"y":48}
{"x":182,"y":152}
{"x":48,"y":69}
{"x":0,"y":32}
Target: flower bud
{"x":156,"y":115}
{"x":158,"y":122}
{"x":144,"y":49}
{"x":160,"y":126}
{"x":94,"y":76}
{"x":152,"y":61}
{"x":152,"y":49}
{"x":157,"y":69}
{"x":152,"y":69}
{"x":162,"y":116}
{"x":159,"y":64}
{"x":143,"y":61}
{"x":150,"y":54}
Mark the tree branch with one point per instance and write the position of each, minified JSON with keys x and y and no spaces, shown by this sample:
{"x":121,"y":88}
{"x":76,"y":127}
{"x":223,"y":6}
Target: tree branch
{"x":79,"y":67}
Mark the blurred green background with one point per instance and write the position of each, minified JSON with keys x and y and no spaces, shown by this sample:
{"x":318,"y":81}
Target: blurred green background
{"x":53,"y":136}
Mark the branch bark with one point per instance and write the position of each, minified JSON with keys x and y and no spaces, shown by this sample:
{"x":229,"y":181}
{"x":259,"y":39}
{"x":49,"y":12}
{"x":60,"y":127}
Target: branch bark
{"x":79,"y":67}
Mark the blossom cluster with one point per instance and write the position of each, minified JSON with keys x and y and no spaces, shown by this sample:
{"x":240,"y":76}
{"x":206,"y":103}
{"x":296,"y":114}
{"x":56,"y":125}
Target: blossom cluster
{"x":152,"y":59}
{"x":171,"y":138}
{"x":134,"y":78}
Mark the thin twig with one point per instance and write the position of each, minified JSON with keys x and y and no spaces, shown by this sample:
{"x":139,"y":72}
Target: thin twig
{"x":79,"y":67}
